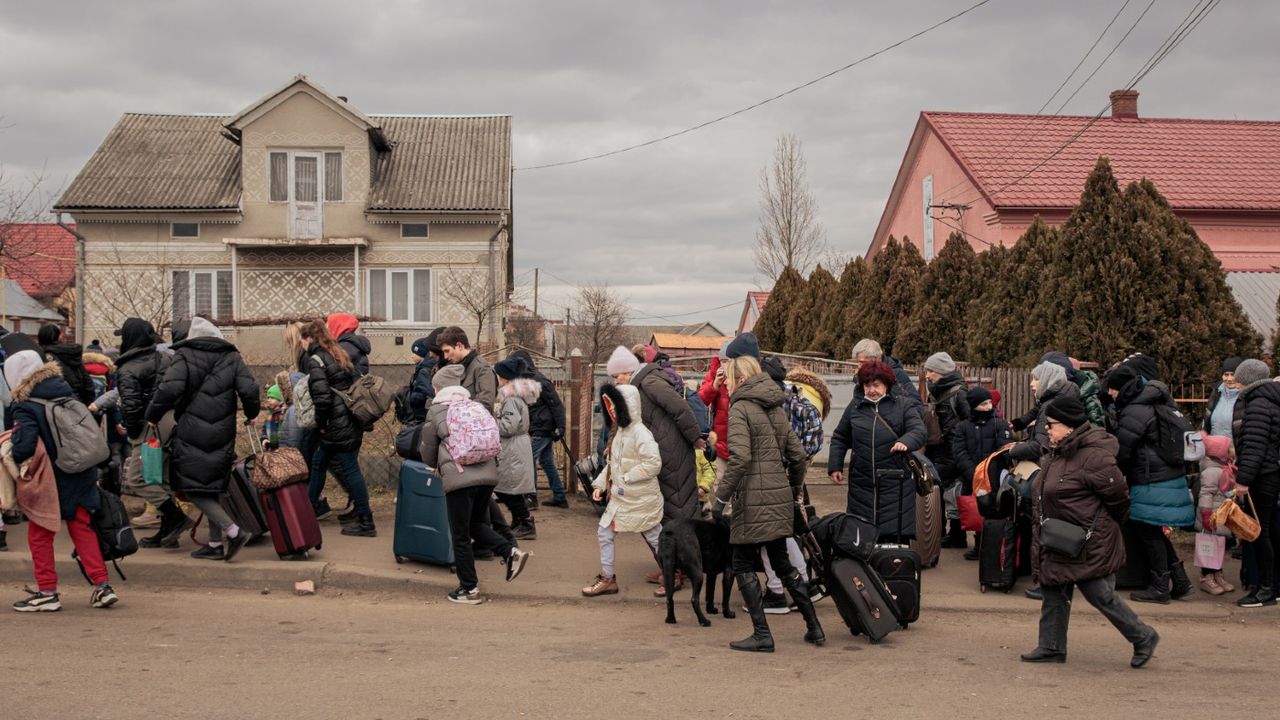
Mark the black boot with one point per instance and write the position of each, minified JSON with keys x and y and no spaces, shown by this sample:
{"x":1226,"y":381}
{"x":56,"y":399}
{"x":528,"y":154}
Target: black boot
{"x":173,"y":522}
{"x":1143,"y":651}
{"x":4,"y":546}
{"x":956,"y":537}
{"x":761,"y":640}
{"x":525,"y":529}
{"x":1158,"y":592}
{"x":799,"y":590}
{"x":362,"y":527}
{"x":1181,"y":583}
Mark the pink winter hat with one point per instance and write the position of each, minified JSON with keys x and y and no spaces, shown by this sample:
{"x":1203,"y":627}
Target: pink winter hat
{"x":1217,"y":447}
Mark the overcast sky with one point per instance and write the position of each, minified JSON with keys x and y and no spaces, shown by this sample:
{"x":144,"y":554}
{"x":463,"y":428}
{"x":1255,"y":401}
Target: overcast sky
{"x":671,"y":226}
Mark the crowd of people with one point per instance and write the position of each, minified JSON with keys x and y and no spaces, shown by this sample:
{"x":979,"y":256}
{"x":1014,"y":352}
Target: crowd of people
{"x":737,"y":445}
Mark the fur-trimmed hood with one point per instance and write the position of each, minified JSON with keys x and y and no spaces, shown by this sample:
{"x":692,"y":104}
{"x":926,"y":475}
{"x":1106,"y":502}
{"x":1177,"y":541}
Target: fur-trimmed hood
{"x":813,"y":387}
{"x":625,"y":400}
{"x":527,"y":389}
{"x":22,"y":393}
{"x":93,"y":358}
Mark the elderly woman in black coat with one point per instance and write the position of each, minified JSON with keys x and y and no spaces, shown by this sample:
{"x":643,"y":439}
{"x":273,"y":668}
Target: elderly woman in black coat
{"x":201,"y":385}
{"x":879,"y":429}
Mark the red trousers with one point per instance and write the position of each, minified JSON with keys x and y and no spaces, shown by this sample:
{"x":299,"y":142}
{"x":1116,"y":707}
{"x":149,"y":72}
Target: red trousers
{"x":40,"y":541}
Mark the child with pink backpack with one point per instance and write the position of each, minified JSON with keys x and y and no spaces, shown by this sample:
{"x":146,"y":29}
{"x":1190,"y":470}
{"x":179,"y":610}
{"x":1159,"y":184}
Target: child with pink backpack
{"x":460,"y":440}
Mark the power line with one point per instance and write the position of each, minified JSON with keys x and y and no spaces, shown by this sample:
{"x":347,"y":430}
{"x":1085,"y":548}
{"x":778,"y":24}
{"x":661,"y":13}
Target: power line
{"x":761,"y":103}
{"x":685,"y":314}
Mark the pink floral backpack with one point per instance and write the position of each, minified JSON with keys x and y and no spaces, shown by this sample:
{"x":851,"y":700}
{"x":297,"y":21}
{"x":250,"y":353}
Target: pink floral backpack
{"x":473,"y":433}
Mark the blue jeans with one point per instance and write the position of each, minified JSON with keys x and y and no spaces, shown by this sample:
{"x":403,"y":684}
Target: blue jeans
{"x":348,"y":467}
{"x":544,"y":456}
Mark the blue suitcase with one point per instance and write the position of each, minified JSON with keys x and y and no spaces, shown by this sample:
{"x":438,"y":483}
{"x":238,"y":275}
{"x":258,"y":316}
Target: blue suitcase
{"x":422,"y":517}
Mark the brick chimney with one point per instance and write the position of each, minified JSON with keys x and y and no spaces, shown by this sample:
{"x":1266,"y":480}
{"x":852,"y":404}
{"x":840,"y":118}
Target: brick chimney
{"x":1124,"y":105}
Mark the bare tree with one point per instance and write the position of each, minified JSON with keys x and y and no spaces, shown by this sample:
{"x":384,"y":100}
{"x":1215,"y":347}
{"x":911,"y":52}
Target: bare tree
{"x":526,"y":331}
{"x":789,"y":233}
{"x":119,"y":286}
{"x":599,"y":315}
{"x":470,"y":288}
{"x":24,"y":203}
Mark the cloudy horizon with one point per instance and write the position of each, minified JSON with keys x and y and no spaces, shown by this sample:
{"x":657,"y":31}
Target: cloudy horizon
{"x":670,"y":226}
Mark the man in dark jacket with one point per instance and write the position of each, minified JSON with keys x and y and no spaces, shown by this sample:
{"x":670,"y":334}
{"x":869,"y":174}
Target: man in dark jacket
{"x":546,"y":427}
{"x":201,"y":387}
{"x":34,"y":384}
{"x":138,"y":373}
{"x":947,"y":389}
{"x":70,"y":358}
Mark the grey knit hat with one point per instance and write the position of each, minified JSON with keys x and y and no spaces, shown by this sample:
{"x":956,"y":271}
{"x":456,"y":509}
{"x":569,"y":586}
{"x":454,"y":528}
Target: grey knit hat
{"x":940,"y":362}
{"x":1251,"y":371}
{"x":1048,"y":377}
{"x":448,"y":376}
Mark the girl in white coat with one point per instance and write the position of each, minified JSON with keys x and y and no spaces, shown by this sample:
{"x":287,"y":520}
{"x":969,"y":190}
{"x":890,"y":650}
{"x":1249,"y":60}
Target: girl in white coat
{"x":630,"y":478}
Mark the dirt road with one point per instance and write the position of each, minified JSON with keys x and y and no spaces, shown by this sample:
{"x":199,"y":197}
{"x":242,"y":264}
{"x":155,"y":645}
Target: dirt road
{"x":227,"y":654}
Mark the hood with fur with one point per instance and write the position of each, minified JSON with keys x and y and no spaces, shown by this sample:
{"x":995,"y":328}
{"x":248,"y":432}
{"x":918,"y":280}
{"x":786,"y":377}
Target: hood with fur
{"x":527,"y":389}
{"x":49,"y":370}
{"x":625,"y":400}
{"x":98,"y":364}
{"x":813,"y":388}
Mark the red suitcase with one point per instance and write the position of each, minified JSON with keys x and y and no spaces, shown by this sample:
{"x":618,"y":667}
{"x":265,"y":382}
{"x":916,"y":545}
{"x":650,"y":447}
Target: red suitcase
{"x":293,"y":524}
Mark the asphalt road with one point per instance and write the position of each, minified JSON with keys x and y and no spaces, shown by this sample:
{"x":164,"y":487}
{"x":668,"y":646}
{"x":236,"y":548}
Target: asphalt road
{"x":241,"y":654}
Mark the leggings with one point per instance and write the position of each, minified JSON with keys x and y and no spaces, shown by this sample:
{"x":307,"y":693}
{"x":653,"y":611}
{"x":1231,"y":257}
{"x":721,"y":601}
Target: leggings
{"x":219,"y":520}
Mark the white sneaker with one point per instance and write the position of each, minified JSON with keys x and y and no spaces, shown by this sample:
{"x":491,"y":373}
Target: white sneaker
{"x":516,"y":562}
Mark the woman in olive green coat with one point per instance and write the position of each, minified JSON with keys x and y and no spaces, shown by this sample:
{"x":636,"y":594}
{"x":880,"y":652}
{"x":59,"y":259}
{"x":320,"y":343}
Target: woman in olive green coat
{"x":761,"y":482}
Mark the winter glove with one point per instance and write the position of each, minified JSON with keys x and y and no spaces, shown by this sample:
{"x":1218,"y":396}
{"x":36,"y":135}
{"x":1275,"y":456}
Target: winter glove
{"x":717,"y":511}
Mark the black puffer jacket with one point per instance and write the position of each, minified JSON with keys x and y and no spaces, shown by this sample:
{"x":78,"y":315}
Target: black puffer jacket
{"x":138,"y":372}
{"x":1258,"y":442}
{"x":974,"y":440}
{"x":70,"y":357}
{"x":338,"y":430}
{"x":669,"y":418}
{"x":358,"y":348}
{"x":883,"y":500}
{"x":204,"y":379}
{"x":1136,"y":430}
{"x":947,"y":397}
{"x":1037,"y":442}
{"x":546,"y":416}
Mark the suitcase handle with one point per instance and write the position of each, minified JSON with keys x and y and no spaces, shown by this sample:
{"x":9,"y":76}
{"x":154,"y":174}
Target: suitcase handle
{"x":255,"y":441}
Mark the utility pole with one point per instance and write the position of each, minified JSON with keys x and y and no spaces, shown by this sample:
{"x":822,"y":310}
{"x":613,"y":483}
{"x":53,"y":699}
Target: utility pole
{"x":536,"y":317}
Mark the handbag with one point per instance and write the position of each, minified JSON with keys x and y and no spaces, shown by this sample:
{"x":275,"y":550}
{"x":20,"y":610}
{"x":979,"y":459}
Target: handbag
{"x":970,"y":518}
{"x":1064,"y":538}
{"x":919,"y":472}
{"x":274,"y":469}
{"x":152,"y":457}
{"x":1233,"y":517}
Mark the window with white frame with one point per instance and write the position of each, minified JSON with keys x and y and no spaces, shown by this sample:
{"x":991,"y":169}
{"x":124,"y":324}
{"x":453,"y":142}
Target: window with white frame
{"x":305,"y":178}
{"x":402,"y":295}
{"x":202,"y":293}
{"x":414,"y":230}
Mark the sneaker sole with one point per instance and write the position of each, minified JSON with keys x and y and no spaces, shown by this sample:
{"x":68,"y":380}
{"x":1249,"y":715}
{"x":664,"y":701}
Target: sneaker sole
{"x":777,"y":611}
{"x":466,"y":601}
{"x":47,"y":607}
{"x":104,"y":604}
{"x":518,"y":567}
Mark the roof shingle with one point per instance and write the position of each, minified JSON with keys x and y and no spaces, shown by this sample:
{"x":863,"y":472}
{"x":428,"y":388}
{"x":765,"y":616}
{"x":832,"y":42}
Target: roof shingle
{"x":1197,"y":164}
{"x":443,"y":163}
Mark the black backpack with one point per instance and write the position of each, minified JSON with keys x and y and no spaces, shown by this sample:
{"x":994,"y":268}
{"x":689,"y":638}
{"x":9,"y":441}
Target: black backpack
{"x":1171,"y":428}
{"x":115,"y":534}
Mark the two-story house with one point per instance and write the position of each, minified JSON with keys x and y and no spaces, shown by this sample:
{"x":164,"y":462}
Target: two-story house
{"x":298,"y":206}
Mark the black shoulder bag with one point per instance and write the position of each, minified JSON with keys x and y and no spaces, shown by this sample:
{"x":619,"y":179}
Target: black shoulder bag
{"x":1064,"y":538}
{"x":919,"y":473}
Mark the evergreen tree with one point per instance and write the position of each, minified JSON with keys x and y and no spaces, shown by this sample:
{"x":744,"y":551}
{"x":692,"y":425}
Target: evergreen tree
{"x":1275,"y":341}
{"x":1009,"y":282}
{"x":833,"y":338}
{"x":889,"y":295}
{"x":787,"y":293}
{"x":946,"y":291}
{"x":806,"y":318}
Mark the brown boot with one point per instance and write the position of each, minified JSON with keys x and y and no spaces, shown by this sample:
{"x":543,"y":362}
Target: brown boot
{"x":662,"y":590}
{"x":601,"y":586}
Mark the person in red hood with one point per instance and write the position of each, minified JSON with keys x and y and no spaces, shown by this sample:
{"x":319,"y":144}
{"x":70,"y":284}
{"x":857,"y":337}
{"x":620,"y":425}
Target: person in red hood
{"x":716,"y":396}
{"x":343,"y":327}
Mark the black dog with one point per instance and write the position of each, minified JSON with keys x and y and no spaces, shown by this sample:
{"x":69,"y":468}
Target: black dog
{"x":696,"y":547}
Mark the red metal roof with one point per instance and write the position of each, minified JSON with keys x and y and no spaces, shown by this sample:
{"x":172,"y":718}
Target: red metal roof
{"x":1197,"y":164}
{"x":41,"y":257}
{"x":759,"y":299}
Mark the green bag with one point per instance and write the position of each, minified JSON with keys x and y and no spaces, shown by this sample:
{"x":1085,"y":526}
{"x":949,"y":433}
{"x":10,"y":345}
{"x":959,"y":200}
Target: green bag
{"x":152,"y":457}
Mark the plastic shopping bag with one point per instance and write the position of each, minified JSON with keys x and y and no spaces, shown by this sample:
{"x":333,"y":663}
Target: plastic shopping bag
{"x":152,"y":456}
{"x":1210,"y":550}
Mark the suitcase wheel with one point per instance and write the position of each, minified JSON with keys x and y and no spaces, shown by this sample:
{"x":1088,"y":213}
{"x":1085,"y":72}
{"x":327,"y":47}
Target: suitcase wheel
{"x":399,"y":560}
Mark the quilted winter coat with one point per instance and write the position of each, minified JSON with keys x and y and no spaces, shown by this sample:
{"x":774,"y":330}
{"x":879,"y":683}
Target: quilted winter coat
{"x":515,"y":462}
{"x":631,"y":475}
{"x":668,"y":417}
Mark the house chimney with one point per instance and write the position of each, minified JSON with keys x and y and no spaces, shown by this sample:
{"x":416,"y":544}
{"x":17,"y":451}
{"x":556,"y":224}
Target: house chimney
{"x":1124,"y":105}
{"x":343,"y":98}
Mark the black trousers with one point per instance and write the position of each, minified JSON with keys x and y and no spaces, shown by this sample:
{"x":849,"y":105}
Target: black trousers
{"x":1160,"y":552}
{"x":746,"y":557}
{"x":1055,"y":611}
{"x":1265,"y":548}
{"x":468,"y":520}
{"x":516,"y":504}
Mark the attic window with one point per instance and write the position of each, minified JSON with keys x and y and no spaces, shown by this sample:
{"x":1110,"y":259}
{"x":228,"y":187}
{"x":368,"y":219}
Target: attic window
{"x":184,"y":230}
{"x":414,"y":230}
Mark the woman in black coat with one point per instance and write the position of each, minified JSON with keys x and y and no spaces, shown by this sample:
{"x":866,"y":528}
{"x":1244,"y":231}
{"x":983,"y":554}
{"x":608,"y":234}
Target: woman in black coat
{"x":879,"y":429}
{"x":330,"y":372}
{"x":201,"y":385}
{"x":1258,"y":476}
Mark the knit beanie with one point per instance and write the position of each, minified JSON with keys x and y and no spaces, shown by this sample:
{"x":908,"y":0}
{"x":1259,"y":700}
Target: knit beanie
{"x":622,"y":361}
{"x":1230,"y":364}
{"x":1217,"y":447}
{"x":275,"y":393}
{"x":1049,"y":377}
{"x":1251,"y":371}
{"x":420,"y":347}
{"x":745,"y":345}
{"x":20,"y":365}
{"x":448,"y":376}
{"x":976,"y":396}
{"x":1121,"y":376}
{"x":940,"y":363}
{"x":1068,"y":411}
{"x":510,"y":368}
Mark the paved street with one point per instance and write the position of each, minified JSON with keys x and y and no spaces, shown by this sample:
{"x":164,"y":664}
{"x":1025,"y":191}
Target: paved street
{"x":232,"y":654}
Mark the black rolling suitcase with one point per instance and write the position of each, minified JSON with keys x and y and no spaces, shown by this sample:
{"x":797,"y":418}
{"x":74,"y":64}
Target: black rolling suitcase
{"x":899,"y":565}
{"x":998,"y":555}
{"x":862,"y":598}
